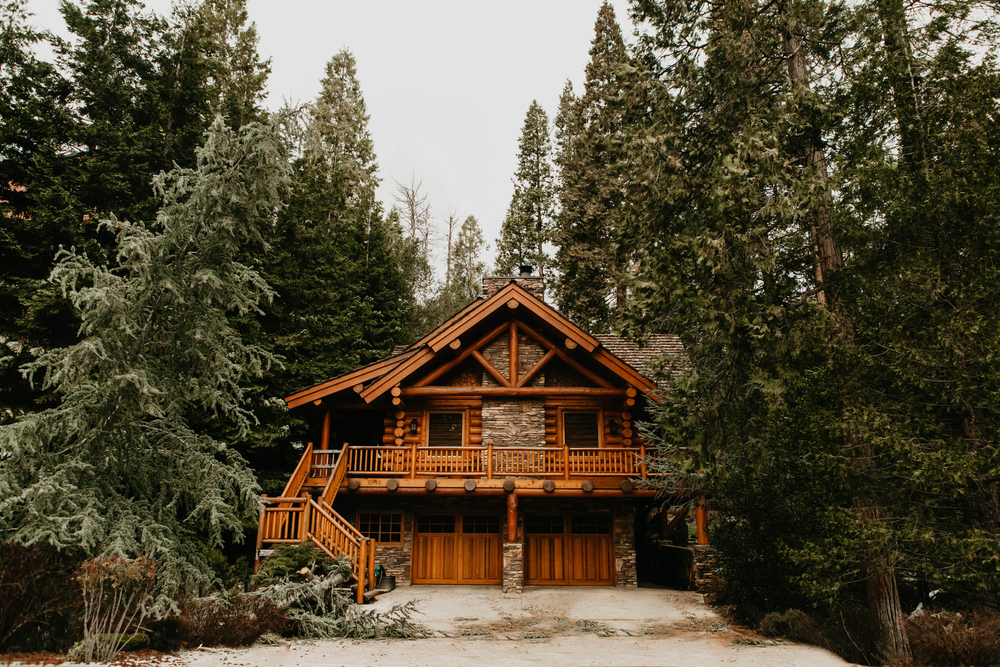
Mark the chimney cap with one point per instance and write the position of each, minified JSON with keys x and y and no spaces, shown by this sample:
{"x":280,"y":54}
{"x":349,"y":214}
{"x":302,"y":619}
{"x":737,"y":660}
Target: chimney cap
{"x":526,"y":270}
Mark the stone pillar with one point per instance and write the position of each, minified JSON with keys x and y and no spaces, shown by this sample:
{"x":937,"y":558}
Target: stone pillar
{"x":513,"y":567}
{"x":626,"y":573}
{"x":705,"y":570}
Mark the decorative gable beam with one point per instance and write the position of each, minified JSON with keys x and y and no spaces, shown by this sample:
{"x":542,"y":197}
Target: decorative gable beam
{"x":547,"y":344}
{"x":530,"y":375}
{"x":479,"y":344}
{"x":384,"y":383}
{"x":513,"y":297}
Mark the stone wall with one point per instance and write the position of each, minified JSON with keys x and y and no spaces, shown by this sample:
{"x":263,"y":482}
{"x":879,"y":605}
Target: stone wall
{"x":514,"y":422}
{"x":626,"y":572}
{"x":705,"y":571}
{"x":513,"y":567}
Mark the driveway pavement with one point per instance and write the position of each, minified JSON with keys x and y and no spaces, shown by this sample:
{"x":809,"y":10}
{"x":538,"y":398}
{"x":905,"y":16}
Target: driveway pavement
{"x":550,"y":626}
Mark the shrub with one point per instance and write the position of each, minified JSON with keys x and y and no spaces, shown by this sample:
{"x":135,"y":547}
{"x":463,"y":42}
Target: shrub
{"x":287,"y":560}
{"x":231,"y":619}
{"x":115,"y":595}
{"x":793,"y":624}
{"x":946,"y":639}
{"x":39,"y":598}
{"x":320,"y":610}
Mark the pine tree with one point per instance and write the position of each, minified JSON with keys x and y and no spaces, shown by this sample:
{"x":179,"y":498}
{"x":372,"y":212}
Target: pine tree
{"x":116,"y":468}
{"x":468,"y":268}
{"x":527,"y":229}
{"x":592,"y":159}
{"x":239,"y":76}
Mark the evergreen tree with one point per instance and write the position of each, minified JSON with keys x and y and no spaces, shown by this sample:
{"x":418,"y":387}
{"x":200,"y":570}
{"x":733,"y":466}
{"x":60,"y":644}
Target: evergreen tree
{"x":467,"y":268}
{"x":238,"y":75}
{"x":116,"y":468}
{"x":592,"y":159}
{"x":528,"y":226}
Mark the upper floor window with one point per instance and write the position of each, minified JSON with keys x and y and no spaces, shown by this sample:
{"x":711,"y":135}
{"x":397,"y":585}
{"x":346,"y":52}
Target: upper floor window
{"x":445,"y":429}
{"x":581,"y":429}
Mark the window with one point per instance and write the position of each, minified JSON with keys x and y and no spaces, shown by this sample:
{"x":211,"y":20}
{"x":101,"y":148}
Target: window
{"x":590,"y":525}
{"x":445,"y":429}
{"x":473,"y":523}
{"x":543,"y":525}
{"x":436,"y":524}
{"x":384,"y":528}
{"x":580,"y":429}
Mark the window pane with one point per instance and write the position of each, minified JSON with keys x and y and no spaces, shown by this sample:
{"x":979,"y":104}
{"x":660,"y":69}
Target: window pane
{"x":580,"y":429}
{"x":445,"y":429}
{"x":381,"y":527}
{"x":590,"y":525}
{"x":436,"y":524}
{"x":481,"y":524}
{"x":544,"y":525}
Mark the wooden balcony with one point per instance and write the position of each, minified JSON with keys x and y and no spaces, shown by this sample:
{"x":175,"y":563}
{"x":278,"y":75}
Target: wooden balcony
{"x":489,"y":462}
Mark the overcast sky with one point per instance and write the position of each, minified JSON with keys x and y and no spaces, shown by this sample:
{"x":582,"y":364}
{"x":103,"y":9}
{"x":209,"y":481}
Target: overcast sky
{"x":447,"y":82}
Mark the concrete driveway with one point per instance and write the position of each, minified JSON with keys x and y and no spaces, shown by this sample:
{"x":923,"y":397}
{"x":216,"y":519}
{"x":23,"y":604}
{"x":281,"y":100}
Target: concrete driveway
{"x":475,"y":625}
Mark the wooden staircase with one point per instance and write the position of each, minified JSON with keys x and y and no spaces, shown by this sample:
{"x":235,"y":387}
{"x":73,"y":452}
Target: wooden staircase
{"x":296,"y":516}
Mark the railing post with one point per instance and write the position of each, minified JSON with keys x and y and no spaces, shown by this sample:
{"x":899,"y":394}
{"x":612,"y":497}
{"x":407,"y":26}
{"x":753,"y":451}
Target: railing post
{"x":413,"y":461}
{"x":566,"y":461}
{"x":304,"y":526}
{"x":489,"y":461}
{"x":361,"y":567}
{"x":260,"y":536}
{"x":642,"y":453}
{"x":371,"y":563}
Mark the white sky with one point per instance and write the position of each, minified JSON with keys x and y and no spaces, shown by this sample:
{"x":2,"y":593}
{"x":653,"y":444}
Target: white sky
{"x":447,"y":82}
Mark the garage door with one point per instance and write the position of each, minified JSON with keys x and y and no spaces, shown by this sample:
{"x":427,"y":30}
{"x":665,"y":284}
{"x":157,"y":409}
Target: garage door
{"x":569,"y":550}
{"x":457,"y":549}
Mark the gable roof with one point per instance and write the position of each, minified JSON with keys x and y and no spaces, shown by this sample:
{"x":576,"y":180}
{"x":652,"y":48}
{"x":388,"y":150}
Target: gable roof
{"x":625,"y":359}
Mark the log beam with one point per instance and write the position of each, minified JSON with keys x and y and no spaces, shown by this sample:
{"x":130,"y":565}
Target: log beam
{"x":510,"y":391}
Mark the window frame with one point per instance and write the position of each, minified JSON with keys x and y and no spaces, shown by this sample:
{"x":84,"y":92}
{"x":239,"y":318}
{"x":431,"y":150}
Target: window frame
{"x":402,"y":526}
{"x":601,"y":441}
{"x":426,"y":436}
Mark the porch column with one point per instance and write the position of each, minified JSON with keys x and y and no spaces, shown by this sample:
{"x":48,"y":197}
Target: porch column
{"x":701,"y":521}
{"x":325,"y":439}
{"x":513,"y":551}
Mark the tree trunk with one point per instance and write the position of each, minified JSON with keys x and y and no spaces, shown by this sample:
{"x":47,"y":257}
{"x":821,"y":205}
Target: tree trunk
{"x":881,"y":592}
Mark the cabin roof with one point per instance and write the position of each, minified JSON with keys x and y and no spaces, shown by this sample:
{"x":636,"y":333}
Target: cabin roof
{"x":640,"y":364}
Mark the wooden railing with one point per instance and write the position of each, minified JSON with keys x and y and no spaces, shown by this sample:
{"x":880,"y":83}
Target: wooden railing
{"x":337,"y":474}
{"x":493,"y":461}
{"x":294,"y":486}
{"x":294,"y":520}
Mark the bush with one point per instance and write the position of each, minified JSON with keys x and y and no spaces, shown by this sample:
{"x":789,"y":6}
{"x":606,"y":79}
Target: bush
{"x":946,"y":639}
{"x":287,"y":560}
{"x":793,"y":624}
{"x":115,"y":597}
{"x":39,"y":598}
{"x":232,"y":619}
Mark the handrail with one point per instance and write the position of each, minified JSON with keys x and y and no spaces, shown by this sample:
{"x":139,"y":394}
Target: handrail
{"x":337,"y":477}
{"x":396,"y":461}
{"x":334,"y":535}
{"x":298,"y":478}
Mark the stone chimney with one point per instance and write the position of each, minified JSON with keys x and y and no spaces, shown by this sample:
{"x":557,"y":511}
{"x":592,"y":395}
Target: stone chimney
{"x":534,"y":285}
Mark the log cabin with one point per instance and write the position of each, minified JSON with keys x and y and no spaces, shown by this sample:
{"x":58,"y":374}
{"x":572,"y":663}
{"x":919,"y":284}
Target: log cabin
{"x":500,"y":449}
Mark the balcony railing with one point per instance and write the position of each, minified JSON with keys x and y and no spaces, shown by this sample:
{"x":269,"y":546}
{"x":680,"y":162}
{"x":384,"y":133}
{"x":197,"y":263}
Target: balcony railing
{"x":490,"y":461}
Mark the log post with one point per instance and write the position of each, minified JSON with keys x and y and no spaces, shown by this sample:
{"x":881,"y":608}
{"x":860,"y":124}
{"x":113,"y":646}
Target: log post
{"x":565,"y":461}
{"x":642,"y":455}
{"x":361,"y":567}
{"x":260,"y":537}
{"x":701,"y":520}
{"x":512,"y":366}
{"x":489,"y":461}
{"x":512,"y":518}
{"x":413,"y":461}
{"x":325,"y":442}
{"x":371,"y":562}
{"x":304,"y":526}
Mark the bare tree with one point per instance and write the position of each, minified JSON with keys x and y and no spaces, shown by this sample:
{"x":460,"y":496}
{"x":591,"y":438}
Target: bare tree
{"x":452,"y":222}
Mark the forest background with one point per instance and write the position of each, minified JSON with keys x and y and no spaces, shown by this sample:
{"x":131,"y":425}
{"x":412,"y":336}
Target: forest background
{"x":805,"y":191}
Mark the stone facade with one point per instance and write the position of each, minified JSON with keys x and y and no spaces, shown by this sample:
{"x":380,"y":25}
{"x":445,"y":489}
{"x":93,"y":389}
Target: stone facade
{"x":513,"y":567}
{"x":514,"y":422}
{"x":705,"y":570}
{"x":626,"y":573}
{"x":534,"y":285}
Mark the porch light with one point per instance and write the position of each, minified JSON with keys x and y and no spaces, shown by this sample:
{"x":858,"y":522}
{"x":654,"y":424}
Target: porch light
{"x":413,"y":426}
{"x":613,"y":427}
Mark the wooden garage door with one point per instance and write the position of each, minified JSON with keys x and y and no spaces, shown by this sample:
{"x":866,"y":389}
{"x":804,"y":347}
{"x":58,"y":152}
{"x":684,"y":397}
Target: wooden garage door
{"x":457,"y":549}
{"x":569,"y":550}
